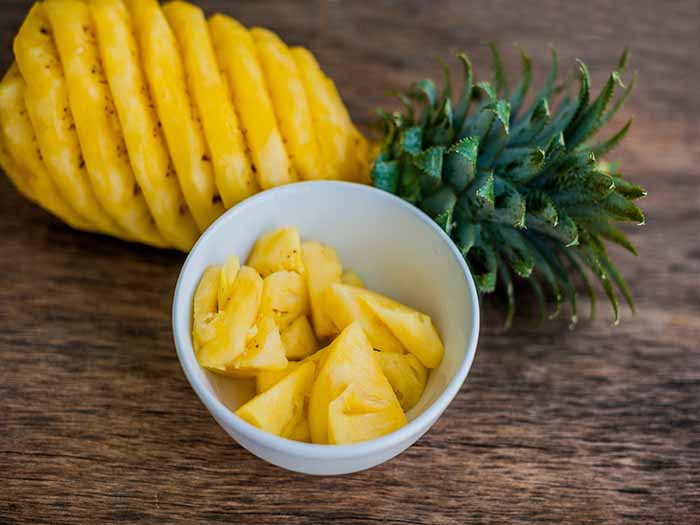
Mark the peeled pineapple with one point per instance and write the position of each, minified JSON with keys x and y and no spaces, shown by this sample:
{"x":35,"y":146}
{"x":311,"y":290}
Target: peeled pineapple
{"x":146,"y":123}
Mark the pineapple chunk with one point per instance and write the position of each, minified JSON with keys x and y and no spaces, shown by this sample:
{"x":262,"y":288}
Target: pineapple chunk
{"x":406,"y":375}
{"x":96,"y":122}
{"x":144,"y":139}
{"x":47,"y":103}
{"x":21,"y":145}
{"x":350,"y":278}
{"x":264,"y":351}
{"x":343,"y":306}
{"x":414,"y":329}
{"x":234,"y":174}
{"x":229,"y":272}
{"x":356,"y":416}
{"x":298,"y":339}
{"x":266,"y":379}
{"x":236,"y":52}
{"x":161,"y":61}
{"x":290,"y":103}
{"x":280,"y":410}
{"x":301,"y":431}
{"x":277,"y":250}
{"x":323,"y":268}
{"x":284,"y":297}
{"x":351,"y":360}
{"x":233,"y":323}
{"x":205,"y":307}
{"x":329,"y":123}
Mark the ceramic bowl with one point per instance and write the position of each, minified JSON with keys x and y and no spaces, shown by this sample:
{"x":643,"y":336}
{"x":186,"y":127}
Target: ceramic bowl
{"x":396,"y":249}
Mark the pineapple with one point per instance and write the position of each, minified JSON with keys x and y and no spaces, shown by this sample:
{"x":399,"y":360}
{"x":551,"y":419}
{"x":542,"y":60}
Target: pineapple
{"x":276,"y":251}
{"x":299,"y":339}
{"x":351,"y":400}
{"x":322,"y":268}
{"x":146,"y":123}
{"x":284,"y":297}
{"x":280,"y":409}
{"x":406,"y":375}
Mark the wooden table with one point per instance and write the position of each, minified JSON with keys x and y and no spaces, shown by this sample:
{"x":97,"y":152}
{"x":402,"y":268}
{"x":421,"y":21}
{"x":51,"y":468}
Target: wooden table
{"x":600,"y":424}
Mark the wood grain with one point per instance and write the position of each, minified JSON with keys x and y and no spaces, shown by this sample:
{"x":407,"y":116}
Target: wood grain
{"x":596,"y":425}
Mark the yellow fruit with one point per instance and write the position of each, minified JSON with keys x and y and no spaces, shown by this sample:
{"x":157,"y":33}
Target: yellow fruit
{"x":209,"y":91}
{"x":150,"y":121}
{"x":236,"y":52}
{"x":142,"y":131}
{"x":298,"y":339}
{"x":406,"y":375}
{"x":343,"y":306}
{"x":205,"y":307}
{"x":351,"y":361}
{"x":266,"y":379}
{"x":289,"y":100}
{"x":229,"y":272}
{"x":276,"y":251}
{"x":329,"y":123}
{"x":47,"y":103}
{"x":414,"y":329}
{"x":20,"y":142}
{"x":234,"y":323}
{"x":284,"y":297}
{"x":350,"y":278}
{"x":280,"y":409}
{"x":264,"y":351}
{"x":322,"y":268}
{"x":357,"y":415}
{"x":94,"y":113}
{"x":301,"y":431}
{"x":161,"y":60}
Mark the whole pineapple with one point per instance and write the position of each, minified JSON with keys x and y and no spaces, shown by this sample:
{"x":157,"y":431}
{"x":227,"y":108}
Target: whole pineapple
{"x":146,"y":123}
{"x":520,"y":190}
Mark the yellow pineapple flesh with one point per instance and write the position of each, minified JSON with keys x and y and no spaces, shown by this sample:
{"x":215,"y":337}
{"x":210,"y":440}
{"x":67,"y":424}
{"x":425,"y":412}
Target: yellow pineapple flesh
{"x":150,"y":121}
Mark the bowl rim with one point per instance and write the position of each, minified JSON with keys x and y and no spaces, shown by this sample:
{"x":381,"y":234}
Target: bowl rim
{"x":419,"y":425}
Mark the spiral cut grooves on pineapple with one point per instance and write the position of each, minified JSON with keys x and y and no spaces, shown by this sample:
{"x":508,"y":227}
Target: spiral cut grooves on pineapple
{"x":521,"y":190}
{"x":145,"y":123}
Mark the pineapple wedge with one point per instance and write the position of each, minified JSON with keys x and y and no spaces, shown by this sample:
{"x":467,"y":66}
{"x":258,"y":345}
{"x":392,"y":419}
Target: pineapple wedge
{"x":343,"y":306}
{"x":143,"y":135}
{"x":351,"y":361}
{"x":280,"y":409}
{"x":229,"y":272}
{"x":284,"y":297}
{"x":290,"y":103}
{"x":165,"y":74}
{"x":323,"y":268}
{"x":205,"y":307}
{"x":266,"y":379}
{"x":20,"y":142}
{"x":350,"y":278}
{"x":329,"y":123}
{"x":264,"y":351}
{"x":414,"y":329}
{"x":276,"y":251}
{"x":406,"y":375}
{"x":234,"y":175}
{"x":47,"y":103}
{"x":233,"y":323}
{"x":298,"y":339}
{"x":236,"y":52}
{"x":356,"y":416}
{"x":96,"y":122}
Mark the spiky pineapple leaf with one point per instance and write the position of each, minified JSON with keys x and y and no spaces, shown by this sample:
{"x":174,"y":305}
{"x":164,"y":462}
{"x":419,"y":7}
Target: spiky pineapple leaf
{"x":521,"y":191}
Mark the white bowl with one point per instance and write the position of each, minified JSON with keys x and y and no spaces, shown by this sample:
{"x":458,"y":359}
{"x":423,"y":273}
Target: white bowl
{"x":396,"y":249}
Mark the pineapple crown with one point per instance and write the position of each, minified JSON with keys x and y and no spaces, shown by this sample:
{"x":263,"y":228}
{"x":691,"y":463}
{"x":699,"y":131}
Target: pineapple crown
{"x":520,"y":190}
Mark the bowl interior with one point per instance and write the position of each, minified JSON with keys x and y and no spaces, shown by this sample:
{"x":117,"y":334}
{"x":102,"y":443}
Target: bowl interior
{"x":394,"y":248}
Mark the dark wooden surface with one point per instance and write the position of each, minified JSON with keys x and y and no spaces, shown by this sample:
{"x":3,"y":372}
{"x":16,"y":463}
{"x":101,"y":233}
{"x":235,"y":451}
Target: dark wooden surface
{"x":598,"y":425}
